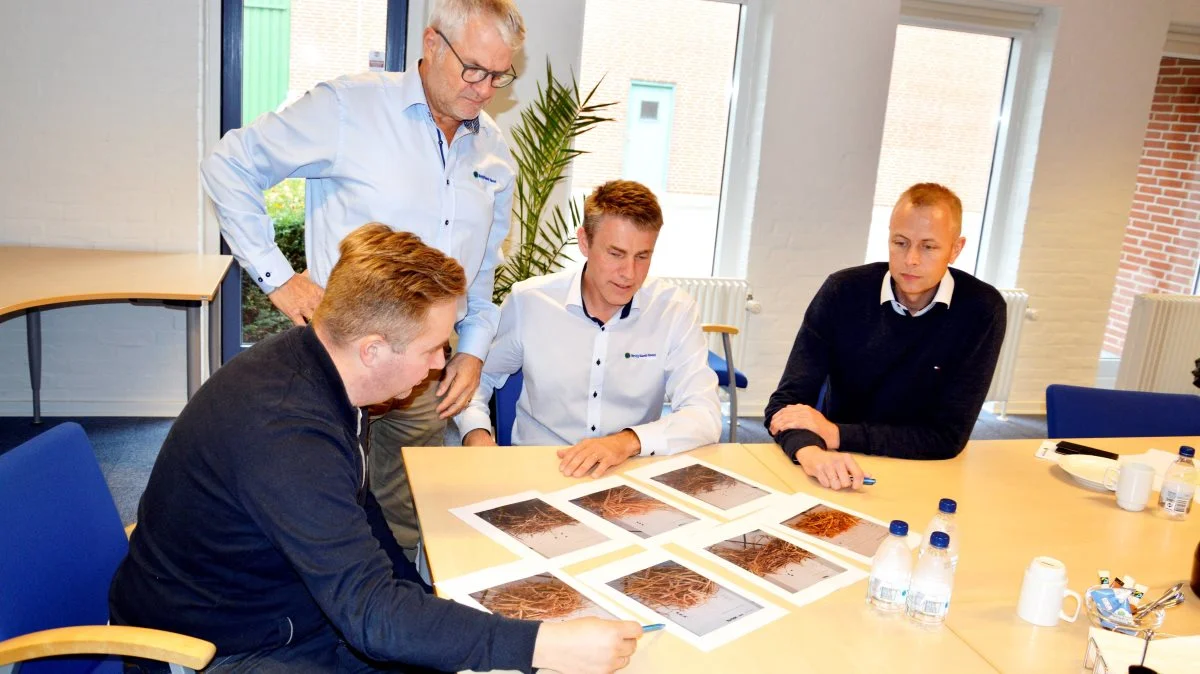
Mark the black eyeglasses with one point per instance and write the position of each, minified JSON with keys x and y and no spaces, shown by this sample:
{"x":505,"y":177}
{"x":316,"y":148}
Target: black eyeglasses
{"x":475,"y":74}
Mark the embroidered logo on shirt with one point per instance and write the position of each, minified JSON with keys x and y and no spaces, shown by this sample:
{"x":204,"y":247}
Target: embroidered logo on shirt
{"x":640,"y":355}
{"x":479,"y":175}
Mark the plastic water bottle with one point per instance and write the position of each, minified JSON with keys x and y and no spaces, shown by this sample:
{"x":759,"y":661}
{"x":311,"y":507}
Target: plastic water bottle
{"x":944,"y":521}
{"x":932,"y":583}
{"x":1179,"y":485}
{"x":891,"y":570}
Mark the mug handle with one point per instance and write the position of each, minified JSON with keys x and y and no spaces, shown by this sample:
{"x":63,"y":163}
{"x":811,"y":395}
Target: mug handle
{"x":1078,"y":604}
{"x":1116,"y":476}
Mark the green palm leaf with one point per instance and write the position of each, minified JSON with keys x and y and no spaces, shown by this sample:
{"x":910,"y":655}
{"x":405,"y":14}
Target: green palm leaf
{"x":542,"y":149}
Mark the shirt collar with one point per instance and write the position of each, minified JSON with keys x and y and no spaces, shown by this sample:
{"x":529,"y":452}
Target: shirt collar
{"x":413,"y":93}
{"x":944,"y":292}
{"x":575,"y":298}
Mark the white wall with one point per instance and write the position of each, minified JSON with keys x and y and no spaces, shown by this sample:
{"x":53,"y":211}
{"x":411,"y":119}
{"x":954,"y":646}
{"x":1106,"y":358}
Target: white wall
{"x":101,"y":134}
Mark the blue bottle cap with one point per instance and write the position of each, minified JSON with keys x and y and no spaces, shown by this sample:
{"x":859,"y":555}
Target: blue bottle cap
{"x":898,"y":528}
{"x":939,"y":539}
{"x":1188,"y":452}
{"x":948,"y":505}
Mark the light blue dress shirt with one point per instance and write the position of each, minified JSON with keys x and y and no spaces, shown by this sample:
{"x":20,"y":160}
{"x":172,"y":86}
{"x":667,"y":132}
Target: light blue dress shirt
{"x":370,"y":151}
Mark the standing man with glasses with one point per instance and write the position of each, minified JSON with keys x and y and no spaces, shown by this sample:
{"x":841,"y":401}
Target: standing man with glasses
{"x":414,"y":151}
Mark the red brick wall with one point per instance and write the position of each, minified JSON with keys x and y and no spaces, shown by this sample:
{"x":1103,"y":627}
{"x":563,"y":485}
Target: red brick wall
{"x":1162,"y":241}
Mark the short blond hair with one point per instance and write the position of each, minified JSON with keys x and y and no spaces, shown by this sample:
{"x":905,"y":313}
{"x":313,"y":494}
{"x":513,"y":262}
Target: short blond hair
{"x":384,"y":283}
{"x":450,"y":16}
{"x":934,"y":194}
{"x":622,"y":199}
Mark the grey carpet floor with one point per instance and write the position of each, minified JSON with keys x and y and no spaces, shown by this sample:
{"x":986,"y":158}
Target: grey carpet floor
{"x":127,"y":446}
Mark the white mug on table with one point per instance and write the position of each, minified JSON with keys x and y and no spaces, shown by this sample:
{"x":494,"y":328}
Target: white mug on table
{"x":1043,"y":591}
{"x":1132,"y":482}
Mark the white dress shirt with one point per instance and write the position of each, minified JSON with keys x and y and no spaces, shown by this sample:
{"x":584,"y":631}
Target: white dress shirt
{"x":586,"y":380}
{"x":944,"y":294}
{"x":371,"y":152}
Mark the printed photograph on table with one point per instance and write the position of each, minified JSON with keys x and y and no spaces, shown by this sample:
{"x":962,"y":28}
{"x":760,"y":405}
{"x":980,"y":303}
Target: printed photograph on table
{"x":700,"y":483}
{"x":846,"y":531}
{"x":773,"y":560}
{"x":623,"y":510}
{"x":694,"y":606}
{"x":526,"y":590}
{"x":529,"y":526}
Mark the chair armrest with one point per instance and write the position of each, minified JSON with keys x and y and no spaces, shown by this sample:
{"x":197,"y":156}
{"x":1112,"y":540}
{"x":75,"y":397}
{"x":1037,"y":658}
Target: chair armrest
{"x":136,"y":642}
{"x":717,"y":327}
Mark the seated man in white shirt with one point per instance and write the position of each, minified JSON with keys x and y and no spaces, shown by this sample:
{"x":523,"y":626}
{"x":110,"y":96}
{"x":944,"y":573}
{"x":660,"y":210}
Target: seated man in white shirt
{"x":601,"y":347}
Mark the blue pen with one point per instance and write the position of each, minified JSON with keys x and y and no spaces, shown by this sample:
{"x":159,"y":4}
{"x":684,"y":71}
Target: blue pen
{"x":653,"y":628}
{"x":868,"y":481}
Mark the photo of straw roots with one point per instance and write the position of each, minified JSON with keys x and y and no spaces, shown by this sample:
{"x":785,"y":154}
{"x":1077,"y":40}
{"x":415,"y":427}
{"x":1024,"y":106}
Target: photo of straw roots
{"x":541,"y":597}
{"x":693,"y":601}
{"x":543,"y":528}
{"x":711,"y":486}
{"x":634,"y":511}
{"x":840,"y":528}
{"x":780,"y":562}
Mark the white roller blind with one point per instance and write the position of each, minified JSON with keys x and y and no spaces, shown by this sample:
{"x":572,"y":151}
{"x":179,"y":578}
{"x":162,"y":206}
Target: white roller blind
{"x":1000,"y":16}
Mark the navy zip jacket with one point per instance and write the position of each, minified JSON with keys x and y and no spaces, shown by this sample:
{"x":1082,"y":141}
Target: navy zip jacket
{"x":901,"y":386}
{"x":257,"y":529}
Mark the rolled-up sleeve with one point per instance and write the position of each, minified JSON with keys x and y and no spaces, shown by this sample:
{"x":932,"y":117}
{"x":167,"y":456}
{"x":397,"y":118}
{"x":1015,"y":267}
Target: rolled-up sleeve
{"x":477,"y":329}
{"x":302,"y":141}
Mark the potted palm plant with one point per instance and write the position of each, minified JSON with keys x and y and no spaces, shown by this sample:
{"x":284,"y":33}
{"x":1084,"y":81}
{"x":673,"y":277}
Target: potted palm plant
{"x":543,"y":148}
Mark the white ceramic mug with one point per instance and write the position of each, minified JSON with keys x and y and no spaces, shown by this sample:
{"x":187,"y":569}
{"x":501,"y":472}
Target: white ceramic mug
{"x":1043,"y":592}
{"x":1132,"y":482}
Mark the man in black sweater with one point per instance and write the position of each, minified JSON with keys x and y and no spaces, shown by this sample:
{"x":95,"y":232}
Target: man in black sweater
{"x":258,"y":531}
{"x":903,"y":351}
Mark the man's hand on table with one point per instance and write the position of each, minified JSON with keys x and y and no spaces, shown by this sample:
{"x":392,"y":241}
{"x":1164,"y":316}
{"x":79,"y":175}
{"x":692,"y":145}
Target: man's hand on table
{"x":297,"y":298}
{"x":832,"y":469}
{"x":601,"y":453}
{"x":809,"y":419}
{"x":458,"y":384}
{"x":480,"y":437}
{"x":585,"y":645}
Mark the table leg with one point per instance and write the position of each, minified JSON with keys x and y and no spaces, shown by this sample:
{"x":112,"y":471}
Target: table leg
{"x":193,"y":348}
{"x":33,"y":342}
{"x":214,"y":335}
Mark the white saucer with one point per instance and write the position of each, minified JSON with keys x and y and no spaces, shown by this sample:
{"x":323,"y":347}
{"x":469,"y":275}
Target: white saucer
{"x":1087,"y":470}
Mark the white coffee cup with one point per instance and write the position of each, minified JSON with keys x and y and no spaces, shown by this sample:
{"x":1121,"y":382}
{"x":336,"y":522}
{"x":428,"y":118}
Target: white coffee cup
{"x":1132,"y":482}
{"x":1043,"y":592}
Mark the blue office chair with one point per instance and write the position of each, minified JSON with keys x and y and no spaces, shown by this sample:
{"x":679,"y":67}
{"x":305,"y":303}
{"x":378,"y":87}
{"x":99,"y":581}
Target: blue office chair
{"x":61,"y":540}
{"x":505,"y":398}
{"x":1082,"y":412}
{"x":723,"y":367}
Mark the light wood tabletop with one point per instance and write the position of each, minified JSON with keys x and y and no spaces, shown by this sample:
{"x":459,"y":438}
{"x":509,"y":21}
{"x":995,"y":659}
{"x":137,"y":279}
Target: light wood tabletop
{"x":38,"y":277}
{"x":836,"y":633}
{"x":1013,"y":507}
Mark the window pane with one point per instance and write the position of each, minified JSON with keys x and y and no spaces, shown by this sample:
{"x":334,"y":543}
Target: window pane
{"x":290,"y":46}
{"x":668,"y":65}
{"x":943,"y":114}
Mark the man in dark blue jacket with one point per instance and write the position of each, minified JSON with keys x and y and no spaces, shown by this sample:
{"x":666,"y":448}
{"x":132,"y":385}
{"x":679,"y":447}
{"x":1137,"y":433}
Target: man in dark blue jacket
{"x":258,"y":531}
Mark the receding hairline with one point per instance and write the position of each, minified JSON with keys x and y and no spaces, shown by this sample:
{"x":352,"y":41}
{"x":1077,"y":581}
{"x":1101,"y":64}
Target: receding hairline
{"x":955,"y":224}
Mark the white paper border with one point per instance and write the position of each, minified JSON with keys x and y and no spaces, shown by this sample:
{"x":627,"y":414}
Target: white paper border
{"x":468,"y":514}
{"x":646,"y":474}
{"x":460,"y":589}
{"x":701,"y":540}
{"x":599,"y":578}
{"x":798,"y":503}
{"x":562,"y":500}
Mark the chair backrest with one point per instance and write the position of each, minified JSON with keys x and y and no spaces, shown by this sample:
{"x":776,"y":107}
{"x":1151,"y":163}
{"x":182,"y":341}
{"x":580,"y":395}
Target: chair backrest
{"x":1082,"y":412}
{"x":506,"y":407}
{"x":61,"y":538}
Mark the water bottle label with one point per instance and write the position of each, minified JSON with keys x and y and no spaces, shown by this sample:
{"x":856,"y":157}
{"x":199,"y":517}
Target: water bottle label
{"x":932,"y":605}
{"x":882,"y":590}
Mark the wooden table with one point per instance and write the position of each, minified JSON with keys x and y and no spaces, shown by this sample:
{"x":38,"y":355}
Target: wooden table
{"x":837,"y":633}
{"x":33,"y":279}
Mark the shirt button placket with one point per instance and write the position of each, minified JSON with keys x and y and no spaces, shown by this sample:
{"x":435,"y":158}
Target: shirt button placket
{"x":596,"y":382}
